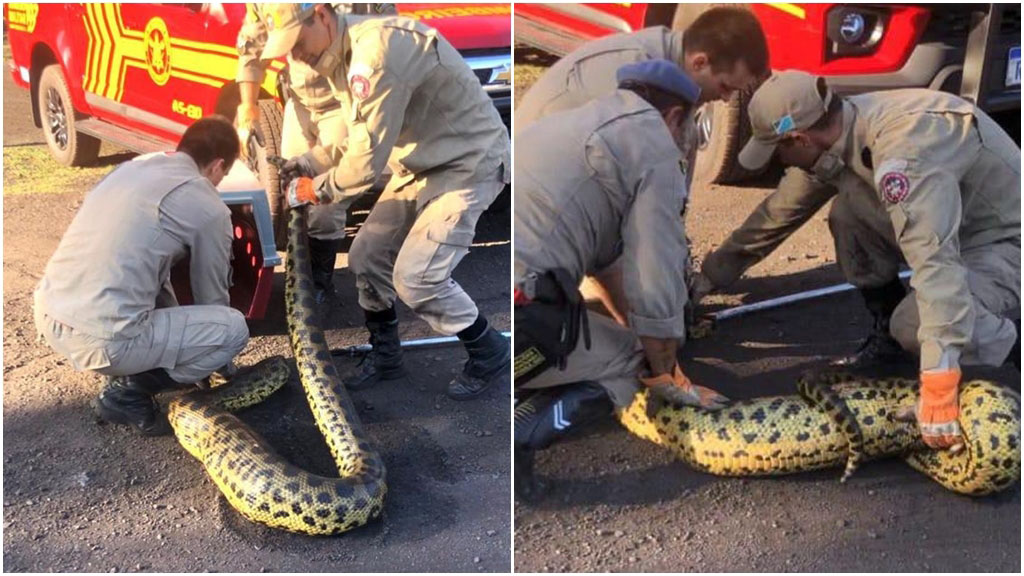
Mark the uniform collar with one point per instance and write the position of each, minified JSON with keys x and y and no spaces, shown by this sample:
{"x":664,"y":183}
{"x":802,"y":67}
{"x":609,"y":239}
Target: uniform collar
{"x":336,"y":53}
{"x":845,"y":147}
{"x":855,"y":131}
{"x":675,"y":47}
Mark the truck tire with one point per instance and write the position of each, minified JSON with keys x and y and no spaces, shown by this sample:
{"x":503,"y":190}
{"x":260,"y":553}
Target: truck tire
{"x":722,"y":127}
{"x":68,"y":146}
{"x":271,"y":118}
{"x":722,"y":130}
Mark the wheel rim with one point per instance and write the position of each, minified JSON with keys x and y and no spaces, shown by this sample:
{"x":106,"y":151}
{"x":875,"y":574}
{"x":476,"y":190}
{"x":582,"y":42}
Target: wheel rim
{"x":705,"y":125}
{"x":57,"y":118}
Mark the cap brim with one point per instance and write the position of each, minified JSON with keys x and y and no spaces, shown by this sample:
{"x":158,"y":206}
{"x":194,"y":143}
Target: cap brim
{"x":280,"y":42}
{"x":756,"y":154}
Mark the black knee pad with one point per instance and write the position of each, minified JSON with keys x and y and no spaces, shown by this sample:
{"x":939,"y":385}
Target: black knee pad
{"x":548,"y":415}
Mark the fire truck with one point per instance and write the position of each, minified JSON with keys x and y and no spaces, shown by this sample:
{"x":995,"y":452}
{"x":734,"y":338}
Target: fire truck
{"x":968,"y":49}
{"x":137,"y":75}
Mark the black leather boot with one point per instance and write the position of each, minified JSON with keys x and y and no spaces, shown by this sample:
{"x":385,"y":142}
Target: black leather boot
{"x":130,"y":400}
{"x":489,"y":357}
{"x":384,"y":361}
{"x":545,"y":417}
{"x":322,"y":255}
{"x":880,"y":347}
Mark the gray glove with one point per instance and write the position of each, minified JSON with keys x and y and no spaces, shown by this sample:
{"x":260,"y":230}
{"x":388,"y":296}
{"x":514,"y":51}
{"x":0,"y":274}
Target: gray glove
{"x":297,"y":167}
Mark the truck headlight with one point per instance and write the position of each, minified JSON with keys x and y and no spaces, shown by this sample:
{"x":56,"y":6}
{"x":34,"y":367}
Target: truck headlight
{"x":855,"y":30}
{"x":851,"y":27}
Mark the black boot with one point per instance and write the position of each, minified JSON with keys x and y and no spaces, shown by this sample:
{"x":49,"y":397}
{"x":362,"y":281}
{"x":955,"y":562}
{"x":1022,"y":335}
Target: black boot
{"x":323,"y":254}
{"x":130,"y":400}
{"x":879,"y":347}
{"x":384,"y":362}
{"x":489,"y":357}
{"x":546,"y":417}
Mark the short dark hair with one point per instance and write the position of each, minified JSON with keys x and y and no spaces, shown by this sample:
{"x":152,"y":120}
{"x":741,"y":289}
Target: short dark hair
{"x":656,"y":97}
{"x":211,"y":138}
{"x":728,"y":35}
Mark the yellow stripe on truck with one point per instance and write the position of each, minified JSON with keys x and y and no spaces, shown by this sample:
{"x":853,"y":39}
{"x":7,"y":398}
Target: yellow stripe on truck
{"x":791,"y":9}
{"x":113,"y":48}
{"x":454,"y":12}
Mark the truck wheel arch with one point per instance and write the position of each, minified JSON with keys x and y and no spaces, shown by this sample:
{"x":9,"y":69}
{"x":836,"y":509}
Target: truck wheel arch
{"x":42,"y":57}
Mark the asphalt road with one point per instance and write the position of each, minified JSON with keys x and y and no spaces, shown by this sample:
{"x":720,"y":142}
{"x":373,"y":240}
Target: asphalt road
{"x":78,"y":496}
{"x":618,"y":503}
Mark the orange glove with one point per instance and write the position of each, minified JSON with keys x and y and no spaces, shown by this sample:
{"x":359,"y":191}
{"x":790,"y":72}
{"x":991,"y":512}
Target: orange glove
{"x":937,"y":410}
{"x":678,"y":389}
{"x":301,"y":192}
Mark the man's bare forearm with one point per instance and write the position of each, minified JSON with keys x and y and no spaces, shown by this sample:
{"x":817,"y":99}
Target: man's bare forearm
{"x":250,"y":92}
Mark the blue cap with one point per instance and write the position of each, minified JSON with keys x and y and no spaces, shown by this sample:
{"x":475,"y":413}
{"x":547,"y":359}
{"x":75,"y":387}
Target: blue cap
{"x":662,"y":74}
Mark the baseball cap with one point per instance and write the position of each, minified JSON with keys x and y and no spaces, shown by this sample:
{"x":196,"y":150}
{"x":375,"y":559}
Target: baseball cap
{"x":284,"y":22}
{"x":662,"y":74}
{"x":790,"y":100}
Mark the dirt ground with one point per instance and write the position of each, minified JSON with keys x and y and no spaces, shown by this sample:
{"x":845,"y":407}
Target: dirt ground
{"x":78,"y":496}
{"x":617,"y":503}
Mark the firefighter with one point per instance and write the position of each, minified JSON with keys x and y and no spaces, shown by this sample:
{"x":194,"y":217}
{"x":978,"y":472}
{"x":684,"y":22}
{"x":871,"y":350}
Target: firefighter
{"x":724,"y":50}
{"x":312,"y":117}
{"x":410,"y":103}
{"x":106,"y":302}
{"x":594,"y":184}
{"x":919,"y":177}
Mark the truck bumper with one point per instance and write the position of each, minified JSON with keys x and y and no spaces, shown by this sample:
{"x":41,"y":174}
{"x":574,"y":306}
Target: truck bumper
{"x":969,"y":58}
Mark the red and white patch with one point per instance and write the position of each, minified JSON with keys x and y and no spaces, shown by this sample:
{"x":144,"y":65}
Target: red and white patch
{"x":895,"y":187}
{"x":360,"y":86}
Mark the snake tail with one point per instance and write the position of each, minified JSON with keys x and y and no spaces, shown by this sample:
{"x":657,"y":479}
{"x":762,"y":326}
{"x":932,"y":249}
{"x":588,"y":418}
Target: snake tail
{"x":817,"y":389}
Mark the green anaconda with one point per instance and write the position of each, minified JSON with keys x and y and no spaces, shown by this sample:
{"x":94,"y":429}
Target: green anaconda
{"x":258,"y":483}
{"x":840,"y":420}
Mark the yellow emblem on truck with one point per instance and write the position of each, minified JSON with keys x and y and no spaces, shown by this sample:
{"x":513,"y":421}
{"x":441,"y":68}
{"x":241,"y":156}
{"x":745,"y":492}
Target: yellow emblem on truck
{"x":158,"y":51}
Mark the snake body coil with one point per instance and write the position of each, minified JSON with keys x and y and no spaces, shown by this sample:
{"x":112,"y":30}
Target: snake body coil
{"x":836,"y":420}
{"x":260,"y":484}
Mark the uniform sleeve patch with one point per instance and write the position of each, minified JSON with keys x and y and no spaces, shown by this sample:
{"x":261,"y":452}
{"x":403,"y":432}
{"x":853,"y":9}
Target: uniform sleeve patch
{"x":891,"y":180}
{"x":359,"y":80}
{"x":895,"y":187}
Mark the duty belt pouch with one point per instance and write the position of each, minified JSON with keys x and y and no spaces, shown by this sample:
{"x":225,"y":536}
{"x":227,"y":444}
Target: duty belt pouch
{"x":548,"y":326}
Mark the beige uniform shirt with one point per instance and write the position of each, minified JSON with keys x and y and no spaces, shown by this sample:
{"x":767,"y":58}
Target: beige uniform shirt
{"x":921,"y":150}
{"x":412,"y":104}
{"x":600,"y":182}
{"x":307,"y":86}
{"x":115,"y":259}
{"x":588,"y":72}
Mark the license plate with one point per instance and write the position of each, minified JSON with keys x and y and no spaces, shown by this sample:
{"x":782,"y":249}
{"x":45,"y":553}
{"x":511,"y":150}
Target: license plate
{"x":1013,"y":67}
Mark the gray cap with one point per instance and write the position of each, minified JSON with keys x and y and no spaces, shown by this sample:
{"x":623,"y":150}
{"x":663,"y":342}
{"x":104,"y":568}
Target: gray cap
{"x":790,"y":100}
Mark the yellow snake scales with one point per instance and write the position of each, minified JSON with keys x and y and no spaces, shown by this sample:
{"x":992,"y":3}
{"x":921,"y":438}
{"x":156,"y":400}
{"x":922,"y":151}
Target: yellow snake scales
{"x":258,"y":483}
{"x":839,"y":419}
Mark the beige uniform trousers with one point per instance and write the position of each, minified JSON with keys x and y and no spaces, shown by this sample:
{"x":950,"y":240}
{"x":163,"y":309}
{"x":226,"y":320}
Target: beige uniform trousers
{"x":302,"y":130}
{"x":613,"y":361}
{"x":409,"y":250}
{"x":869,"y":256}
{"x":190,"y":342}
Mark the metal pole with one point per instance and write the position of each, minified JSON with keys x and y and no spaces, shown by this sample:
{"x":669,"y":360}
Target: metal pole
{"x":788,"y":299}
{"x":420,"y":343}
